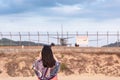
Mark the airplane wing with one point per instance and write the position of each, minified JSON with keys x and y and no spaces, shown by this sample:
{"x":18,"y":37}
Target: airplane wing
{"x":96,"y":40}
{"x":67,"y":37}
{"x":55,"y":37}
{"x":62,"y":38}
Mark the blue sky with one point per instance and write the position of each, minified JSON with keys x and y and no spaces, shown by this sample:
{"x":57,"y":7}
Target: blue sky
{"x":49,"y":15}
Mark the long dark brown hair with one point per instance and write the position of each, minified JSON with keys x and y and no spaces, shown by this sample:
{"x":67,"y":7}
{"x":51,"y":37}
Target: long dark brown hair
{"x":47,"y":57}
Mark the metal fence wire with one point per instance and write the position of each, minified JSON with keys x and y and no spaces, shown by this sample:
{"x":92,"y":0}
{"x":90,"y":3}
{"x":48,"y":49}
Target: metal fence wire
{"x":95,"y":39}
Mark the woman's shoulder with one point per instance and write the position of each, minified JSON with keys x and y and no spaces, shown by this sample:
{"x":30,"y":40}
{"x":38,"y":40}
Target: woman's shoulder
{"x":39,"y":60}
{"x":37,"y":63}
{"x":57,"y":63}
{"x":55,"y":69}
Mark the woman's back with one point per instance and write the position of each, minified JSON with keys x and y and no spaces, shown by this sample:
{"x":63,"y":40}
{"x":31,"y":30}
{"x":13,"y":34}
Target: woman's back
{"x":44,"y":73}
{"x":47,"y":67}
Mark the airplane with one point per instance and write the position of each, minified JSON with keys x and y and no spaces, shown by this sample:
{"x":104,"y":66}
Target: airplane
{"x":62,"y":41}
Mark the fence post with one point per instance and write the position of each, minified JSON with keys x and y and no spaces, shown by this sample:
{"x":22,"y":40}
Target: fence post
{"x":117,"y":38}
{"x":107,"y":37}
{"x":97,"y":39}
{"x":20,"y":39}
{"x":57,"y":38}
{"x":87,"y":33}
{"x":67,"y":39}
{"x":1,"y":38}
{"x":10,"y":44}
{"x":1,"y":34}
{"x":38,"y":38}
{"x":29,"y":37}
{"x":76,"y":33}
{"x":87,"y":37}
{"x":48,"y":37}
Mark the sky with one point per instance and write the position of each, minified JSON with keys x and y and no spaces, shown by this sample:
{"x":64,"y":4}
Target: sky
{"x":50,"y":15}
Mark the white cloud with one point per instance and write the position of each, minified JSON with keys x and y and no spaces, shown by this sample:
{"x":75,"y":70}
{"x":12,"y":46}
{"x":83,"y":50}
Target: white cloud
{"x":75,"y":16}
{"x":39,"y":23}
{"x":67,"y":9}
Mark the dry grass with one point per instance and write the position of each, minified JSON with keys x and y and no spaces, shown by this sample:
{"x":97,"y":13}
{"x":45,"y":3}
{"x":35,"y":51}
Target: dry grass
{"x":18,"y":62}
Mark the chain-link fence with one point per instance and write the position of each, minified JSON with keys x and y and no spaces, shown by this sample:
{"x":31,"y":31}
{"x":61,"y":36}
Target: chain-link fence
{"x":95,"y":39}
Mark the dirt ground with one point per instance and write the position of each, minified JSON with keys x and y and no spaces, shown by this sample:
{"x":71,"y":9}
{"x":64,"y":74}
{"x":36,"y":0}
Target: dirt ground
{"x":76,"y":63}
{"x":70,"y":77}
